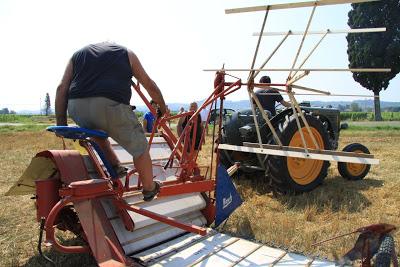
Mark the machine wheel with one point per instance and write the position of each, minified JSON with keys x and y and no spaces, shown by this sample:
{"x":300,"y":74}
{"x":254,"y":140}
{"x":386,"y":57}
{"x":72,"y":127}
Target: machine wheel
{"x":296,"y":175}
{"x":354,"y":171}
{"x":229,"y":158}
{"x":385,"y":251}
{"x":224,"y":156}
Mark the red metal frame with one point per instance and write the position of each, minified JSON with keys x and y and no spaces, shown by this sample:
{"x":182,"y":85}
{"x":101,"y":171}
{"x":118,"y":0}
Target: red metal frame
{"x":167,"y":220}
{"x":184,"y":188}
{"x":85,"y":194}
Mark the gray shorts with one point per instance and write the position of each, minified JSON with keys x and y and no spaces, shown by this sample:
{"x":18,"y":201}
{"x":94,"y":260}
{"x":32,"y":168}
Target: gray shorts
{"x":116,"y":119}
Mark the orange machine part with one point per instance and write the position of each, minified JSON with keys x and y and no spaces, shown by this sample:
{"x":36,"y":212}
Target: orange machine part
{"x":46,"y":196}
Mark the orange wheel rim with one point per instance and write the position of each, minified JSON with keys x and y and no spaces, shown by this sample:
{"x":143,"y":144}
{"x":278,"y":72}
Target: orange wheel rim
{"x":356,"y":169}
{"x":305,"y":171}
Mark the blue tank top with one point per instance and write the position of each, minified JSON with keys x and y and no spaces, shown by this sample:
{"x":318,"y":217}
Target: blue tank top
{"x":101,"y":69}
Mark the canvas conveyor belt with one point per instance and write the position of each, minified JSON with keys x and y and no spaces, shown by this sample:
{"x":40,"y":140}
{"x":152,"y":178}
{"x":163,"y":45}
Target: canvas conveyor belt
{"x":148,"y":232}
{"x":153,"y":243}
{"x":218,"y":249}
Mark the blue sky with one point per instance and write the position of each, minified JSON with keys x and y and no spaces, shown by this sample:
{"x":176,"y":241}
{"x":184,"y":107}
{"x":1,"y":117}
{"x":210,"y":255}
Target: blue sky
{"x":175,"y":40}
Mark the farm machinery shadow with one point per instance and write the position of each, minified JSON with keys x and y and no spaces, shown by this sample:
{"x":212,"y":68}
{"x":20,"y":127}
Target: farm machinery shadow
{"x":62,"y":259}
{"x":335,"y":194}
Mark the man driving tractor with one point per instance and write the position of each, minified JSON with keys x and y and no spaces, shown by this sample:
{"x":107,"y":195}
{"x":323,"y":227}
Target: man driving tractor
{"x":268,"y":96}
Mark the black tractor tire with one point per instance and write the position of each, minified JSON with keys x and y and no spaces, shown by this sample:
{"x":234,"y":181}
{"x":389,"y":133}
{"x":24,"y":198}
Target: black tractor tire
{"x":225,"y":155}
{"x":294,"y":175}
{"x":228,"y":158}
{"x":231,"y":135}
{"x":384,"y":255}
{"x":354,"y":171}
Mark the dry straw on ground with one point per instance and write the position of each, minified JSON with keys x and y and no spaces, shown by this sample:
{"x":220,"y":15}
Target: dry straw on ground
{"x":294,"y":222}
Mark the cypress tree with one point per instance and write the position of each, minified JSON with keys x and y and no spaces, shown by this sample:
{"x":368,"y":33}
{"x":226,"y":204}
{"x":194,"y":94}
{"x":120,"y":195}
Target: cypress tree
{"x":375,"y":50}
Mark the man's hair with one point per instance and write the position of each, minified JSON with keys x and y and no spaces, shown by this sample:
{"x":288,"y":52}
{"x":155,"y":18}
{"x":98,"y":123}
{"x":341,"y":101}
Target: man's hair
{"x":265,"y":79}
{"x":152,"y":102}
{"x":194,"y":104}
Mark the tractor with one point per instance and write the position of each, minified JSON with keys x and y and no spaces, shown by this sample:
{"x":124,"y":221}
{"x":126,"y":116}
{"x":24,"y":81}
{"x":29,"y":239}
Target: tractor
{"x":290,"y":174}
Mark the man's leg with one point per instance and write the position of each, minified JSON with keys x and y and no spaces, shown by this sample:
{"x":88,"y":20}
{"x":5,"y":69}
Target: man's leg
{"x":205,"y":125}
{"x":144,"y":167}
{"x":142,"y":163}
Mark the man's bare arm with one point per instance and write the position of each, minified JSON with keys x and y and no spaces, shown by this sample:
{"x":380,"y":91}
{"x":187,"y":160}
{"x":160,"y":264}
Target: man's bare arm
{"x":144,"y":125}
{"x":151,"y":87}
{"x":285,"y":103}
{"x":62,"y":94}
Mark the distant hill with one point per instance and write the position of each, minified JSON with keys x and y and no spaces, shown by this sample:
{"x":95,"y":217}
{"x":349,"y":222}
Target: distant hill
{"x":362,"y":103}
{"x":28,"y":112}
{"x":236,"y":105}
{"x":244,"y":104}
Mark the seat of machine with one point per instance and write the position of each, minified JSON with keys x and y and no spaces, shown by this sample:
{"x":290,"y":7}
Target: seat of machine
{"x":88,"y":183}
{"x":74,"y":132}
{"x":91,"y":186}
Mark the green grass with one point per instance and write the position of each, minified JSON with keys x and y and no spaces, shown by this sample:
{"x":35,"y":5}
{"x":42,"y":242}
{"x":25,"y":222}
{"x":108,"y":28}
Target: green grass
{"x":34,"y":127}
{"x":369,"y":116}
{"x":15,"y":118}
{"x":373,"y":128}
{"x":23,"y":128}
{"x":391,"y":126}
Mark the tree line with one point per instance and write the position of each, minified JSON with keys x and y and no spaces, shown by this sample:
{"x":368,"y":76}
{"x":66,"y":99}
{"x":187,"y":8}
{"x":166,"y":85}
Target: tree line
{"x":7,"y":111}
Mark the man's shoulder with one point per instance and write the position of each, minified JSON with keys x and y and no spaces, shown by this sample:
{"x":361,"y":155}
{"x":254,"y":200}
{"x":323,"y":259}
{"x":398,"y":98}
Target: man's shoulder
{"x":100,"y":48}
{"x":271,"y":90}
{"x":262,"y":91}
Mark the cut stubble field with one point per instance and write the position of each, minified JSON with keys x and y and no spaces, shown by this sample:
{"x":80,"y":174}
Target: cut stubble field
{"x":292,"y":222}
{"x":338,"y":206}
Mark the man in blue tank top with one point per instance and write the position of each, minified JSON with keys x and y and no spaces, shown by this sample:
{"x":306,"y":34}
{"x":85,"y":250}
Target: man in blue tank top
{"x":149,"y":119}
{"x":96,"y":90}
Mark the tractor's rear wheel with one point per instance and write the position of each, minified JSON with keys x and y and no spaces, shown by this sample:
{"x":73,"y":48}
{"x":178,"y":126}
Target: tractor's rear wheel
{"x":297,"y":175}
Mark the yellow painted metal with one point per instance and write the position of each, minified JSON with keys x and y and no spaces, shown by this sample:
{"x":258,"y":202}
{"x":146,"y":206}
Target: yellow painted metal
{"x":356,"y":169}
{"x":305,"y":171}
